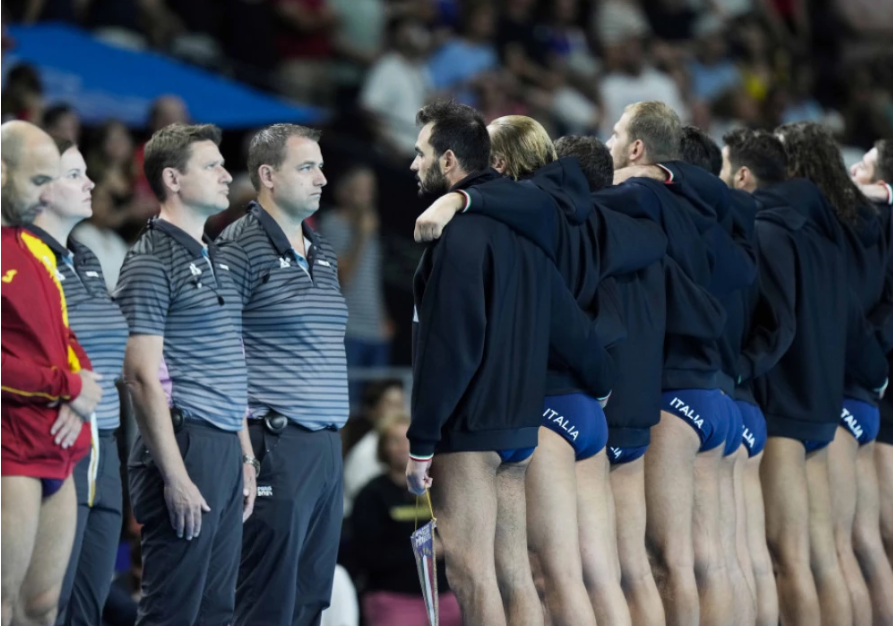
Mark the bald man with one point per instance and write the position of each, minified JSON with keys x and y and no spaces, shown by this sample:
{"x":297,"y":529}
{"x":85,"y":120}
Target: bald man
{"x":46,"y":382}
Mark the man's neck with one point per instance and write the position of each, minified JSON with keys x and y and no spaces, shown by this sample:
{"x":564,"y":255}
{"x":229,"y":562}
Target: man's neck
{"x":453,"y":178}
{"x":292,"y":227}
{"x":192,"y":222}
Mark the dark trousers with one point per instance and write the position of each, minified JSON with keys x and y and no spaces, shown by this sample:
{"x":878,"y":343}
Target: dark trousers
{"x":190,"y":582}
{"x":92,"y":564}
{"x":290,"y":543}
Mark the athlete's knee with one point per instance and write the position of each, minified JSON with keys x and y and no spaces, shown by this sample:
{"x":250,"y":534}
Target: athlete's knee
{"x":40,"y":610}
{"x":467,"y":579}
{"x":867,"y":538}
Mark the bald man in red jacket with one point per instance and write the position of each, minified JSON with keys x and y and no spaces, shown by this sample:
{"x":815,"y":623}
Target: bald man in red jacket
{"x":48,"y":391}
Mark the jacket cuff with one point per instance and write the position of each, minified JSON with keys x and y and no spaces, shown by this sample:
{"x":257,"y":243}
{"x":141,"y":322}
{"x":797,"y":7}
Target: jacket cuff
{"x":420,"y":450}
{"x":473,"y":198}
{"x":73,"y":386}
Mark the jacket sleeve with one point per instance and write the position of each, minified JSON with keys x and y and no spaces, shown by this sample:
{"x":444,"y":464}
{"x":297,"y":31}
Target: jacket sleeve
{"x":522,"y":206}
{"x":578,"y":341}
{"x":881,"y":316}
{"x":628,"y":244}
{"x":25,"y":382}
{"x":774,"y":320}
{"x":866,"y":361}
{"x":450,"y":338}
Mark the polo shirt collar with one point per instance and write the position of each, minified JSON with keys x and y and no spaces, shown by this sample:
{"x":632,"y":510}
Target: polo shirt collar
{"x":274,"y":230}
{"x":179,"y":235}
{"x":58,"y":249}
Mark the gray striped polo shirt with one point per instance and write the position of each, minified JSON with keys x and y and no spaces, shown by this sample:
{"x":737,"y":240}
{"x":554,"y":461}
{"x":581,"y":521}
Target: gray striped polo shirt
{"x":293,"y":319}
{"x":174,"y":287}
{"x":97,"y":321}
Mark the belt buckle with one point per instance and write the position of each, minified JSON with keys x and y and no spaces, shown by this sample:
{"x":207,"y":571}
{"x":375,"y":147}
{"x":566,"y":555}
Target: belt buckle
{"x":275,"y":423}
{"x":178,"y":420}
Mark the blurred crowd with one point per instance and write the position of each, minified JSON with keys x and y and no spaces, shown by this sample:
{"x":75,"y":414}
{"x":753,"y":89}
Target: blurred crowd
{"x":571,"y":64}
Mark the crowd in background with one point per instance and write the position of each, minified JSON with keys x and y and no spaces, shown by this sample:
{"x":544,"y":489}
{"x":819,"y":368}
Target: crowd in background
{"x":571,"y":64}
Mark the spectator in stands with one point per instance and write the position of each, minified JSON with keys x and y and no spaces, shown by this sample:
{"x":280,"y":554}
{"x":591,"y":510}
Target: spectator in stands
{"x":61,"y":121}
{"x":305,"y":44}
{"x":463,"y":61}
{"x":383,"y":519}
{"x":380,"y":399}
{"x":165,"y":110}
{"x":22,"y":95}
{"x":630,"y":77}
{"x":352,"y":229}
{"x":398,"y":85}
{"x":712,"y":71}
{"x":359,"y":38}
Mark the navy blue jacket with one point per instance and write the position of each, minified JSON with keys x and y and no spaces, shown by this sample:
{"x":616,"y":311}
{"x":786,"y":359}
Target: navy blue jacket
{"x":489,"y":308}
{"x":589,"y":247}
{"x":805,"y":321}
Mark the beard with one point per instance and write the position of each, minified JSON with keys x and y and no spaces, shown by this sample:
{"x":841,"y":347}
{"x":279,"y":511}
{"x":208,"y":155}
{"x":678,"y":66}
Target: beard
{"x":434,"y":183}
{"x":13,"y":211}
{"x":621,"y":159}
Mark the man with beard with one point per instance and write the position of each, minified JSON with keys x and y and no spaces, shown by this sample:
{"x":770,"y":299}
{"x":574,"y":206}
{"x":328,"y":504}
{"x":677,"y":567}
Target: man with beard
{"x":45,"y":379}
{"x":483,"y":298}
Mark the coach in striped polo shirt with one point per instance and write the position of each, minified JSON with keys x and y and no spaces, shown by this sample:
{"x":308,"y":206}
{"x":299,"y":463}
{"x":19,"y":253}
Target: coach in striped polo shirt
{"x":185,"y":367}
{"x":293,"y":319}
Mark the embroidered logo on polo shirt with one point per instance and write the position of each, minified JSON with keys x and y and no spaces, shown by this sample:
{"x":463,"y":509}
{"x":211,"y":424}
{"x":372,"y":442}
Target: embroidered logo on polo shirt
{"x":264,"y":491}
{"x":195,"y":271}
{"x":223,"y":267}
{"x":92,"y":274}
{"x":324,"y":263}
{"x":283,"y":262}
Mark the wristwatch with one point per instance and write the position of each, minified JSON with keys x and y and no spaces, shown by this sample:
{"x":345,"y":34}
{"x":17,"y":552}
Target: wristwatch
{"x":253,"y":462}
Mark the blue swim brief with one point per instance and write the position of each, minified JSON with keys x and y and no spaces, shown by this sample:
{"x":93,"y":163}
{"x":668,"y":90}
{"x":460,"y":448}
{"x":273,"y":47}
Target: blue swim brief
{"x":705,"y":410}
{"x":516,"y":455}
{"x":862,"y":420}
{"x":754,"y":434}
{"x":578,"y":418}
{"x":735,"y":429}
{"x":619,"y":456}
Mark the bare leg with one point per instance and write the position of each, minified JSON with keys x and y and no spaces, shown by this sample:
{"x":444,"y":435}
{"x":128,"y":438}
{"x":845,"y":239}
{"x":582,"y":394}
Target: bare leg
{"x":867,"y":539}
{"x":669,"y":494}
{"x":883,"y":463}
{"x":519,"y":597}
{"x":764,"y":576}
{"x":552,"y":531}
{"x":711,"y":570}
{"x":742,"y":598}
{"x":842,"y":482}
{"x":598,"y":541}
{"x":783,"y":479}
{"x":465,"y":504}
{"x":20,"y":512}
{"x":628,"y":489}
{"x":39,"y":596}
{"x":834,"y":597}
{"x":742,"y":549}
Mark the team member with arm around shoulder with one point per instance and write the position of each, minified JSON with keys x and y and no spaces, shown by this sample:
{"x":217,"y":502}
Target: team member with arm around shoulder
{"x":293,"y":319}
{"x":102,"y":331}
{"x":480,"y":422}
{"x":816,"y":157}
{"x":47,"y":383}
{"x":192,"y":474}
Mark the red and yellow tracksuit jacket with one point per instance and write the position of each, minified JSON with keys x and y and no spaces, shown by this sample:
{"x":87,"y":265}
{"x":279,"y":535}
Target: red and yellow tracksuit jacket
{"x":40,"y":360}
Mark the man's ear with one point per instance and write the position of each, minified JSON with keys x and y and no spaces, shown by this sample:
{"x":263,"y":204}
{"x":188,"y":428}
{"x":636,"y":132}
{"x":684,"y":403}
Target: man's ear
{"x":170,"y":178}
{"x":265,"y":174}
{"x":636,"y":151}
{"x":448,"y":161}
{"x":744,"y":178}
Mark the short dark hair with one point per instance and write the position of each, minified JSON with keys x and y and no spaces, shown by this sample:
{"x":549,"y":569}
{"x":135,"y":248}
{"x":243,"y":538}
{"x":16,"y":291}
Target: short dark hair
{"x":884,"y":169}
{"x":63,"y":144}
{"x":595,"y":159}
{"x":267,"y":147}
{"x":760,"y":152}
{"x":459,"y":128}
{"x":55,"y":113}
{"x":171,"y":147}
{"x":698,"y":148}
{"x":375,"y":391}
{"x":658,"y":127}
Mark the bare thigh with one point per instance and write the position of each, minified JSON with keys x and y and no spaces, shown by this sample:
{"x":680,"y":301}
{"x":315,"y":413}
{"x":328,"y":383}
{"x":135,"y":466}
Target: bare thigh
{"x":883,"y":463}
{"x":21,"y":496}
{"x":39,"y":595}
